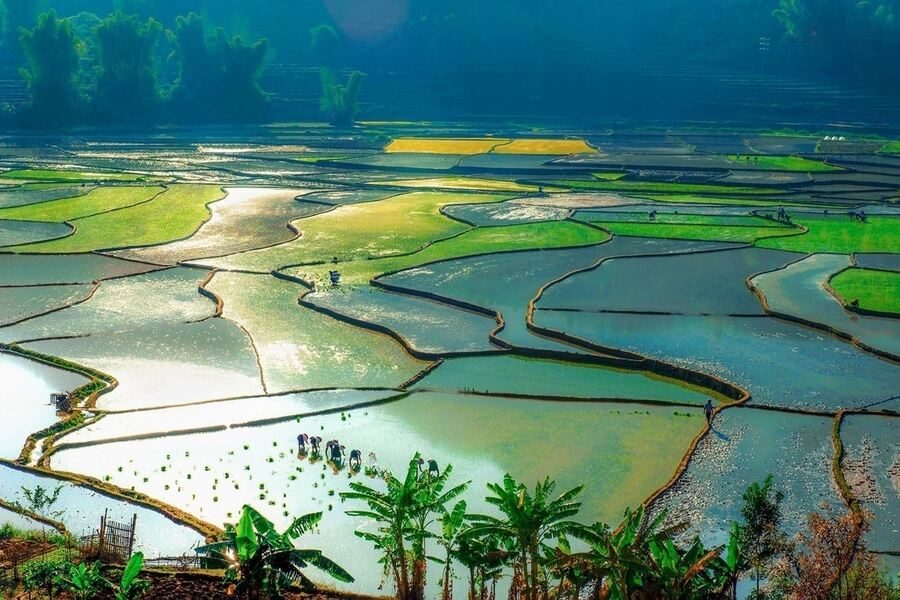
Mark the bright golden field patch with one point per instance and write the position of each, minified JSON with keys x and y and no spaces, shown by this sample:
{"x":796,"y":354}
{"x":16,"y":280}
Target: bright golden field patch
{"x":545,"y":146}
{"x":444,"y":145}
{"x":559,"y":147}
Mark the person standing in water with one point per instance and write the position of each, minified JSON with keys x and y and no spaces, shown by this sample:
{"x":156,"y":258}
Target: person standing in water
{"x":708,"y":410}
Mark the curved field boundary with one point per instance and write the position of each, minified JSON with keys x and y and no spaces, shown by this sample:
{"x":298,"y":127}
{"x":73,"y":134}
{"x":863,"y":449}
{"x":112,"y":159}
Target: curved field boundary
{"x":297,"y":233}
{"x":109,"y":381}
{"x":107,"y":411}
{"x":220,"y":304}
{"x":62,"y":254}
{"x":74,"y":227}
{"x":76,"y":186}
{"x":846,"y":494}
{"x":570,"y":399}
{"x":214,"y":428}
{"x":842,"y":335}
{"x":385,"y":330}
{"x":180,"y":239}
{"x":70,"y":232}
{"x":94,"y":287}
{"x":609,"y":357}
{"x":21,"y":510}
{"x":856,"y":309}
{"x":570,"y":216}
{"x":612,"y":311}
{"x":732,"y":391}
{"x":85,"y":397}
{"x":176,"y":515}
{"x":399,"y":254}
{"x":49,"y":442}
{"x":421,"y":375}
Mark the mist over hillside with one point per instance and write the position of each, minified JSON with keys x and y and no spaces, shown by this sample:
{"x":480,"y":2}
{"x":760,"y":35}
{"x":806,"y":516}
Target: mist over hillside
{"x":582,"y":62}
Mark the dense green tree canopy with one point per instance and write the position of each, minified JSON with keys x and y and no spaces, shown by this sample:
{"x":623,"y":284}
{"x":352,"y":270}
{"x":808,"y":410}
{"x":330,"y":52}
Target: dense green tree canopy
{"x":51,"y":50}
{"x":218,"y":76}
{"x":127,"y":86}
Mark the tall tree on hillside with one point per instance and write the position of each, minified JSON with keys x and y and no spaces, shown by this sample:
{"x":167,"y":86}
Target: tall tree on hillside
{"x":51,"y":50}
{"x":218,"y":76}
{"x":127,"y":86}
{"x":340,"y":101}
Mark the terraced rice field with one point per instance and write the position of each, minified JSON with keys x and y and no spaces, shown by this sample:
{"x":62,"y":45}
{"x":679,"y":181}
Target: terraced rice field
{"x":501,"y":303}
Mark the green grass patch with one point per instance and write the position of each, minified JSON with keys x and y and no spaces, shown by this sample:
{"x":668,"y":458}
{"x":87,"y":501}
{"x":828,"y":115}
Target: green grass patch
{"x":395,"y":225}
{"x":659,"y":187}
{"x":725,"y":201}
{"x":50,"y":175}
{"x":610,"y":175}
{"x":874,"y":290}
{"x":481,"y":240}
{"x":67,"y":209}
{"x":173,"y":215}
{"x":890,"y":148}
{"x":689,"y":219}
{"x":713,"y":233}
{"x":841,"y":234}
{"x":782,"y":163}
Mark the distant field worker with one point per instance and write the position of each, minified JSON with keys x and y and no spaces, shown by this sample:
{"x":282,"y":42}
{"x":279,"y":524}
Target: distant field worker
{"x":708,"y":410}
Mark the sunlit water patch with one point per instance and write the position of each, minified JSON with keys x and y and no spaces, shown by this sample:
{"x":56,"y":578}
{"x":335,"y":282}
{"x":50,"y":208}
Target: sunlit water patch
{"x":23,"y":196}
{"x":702,"y":283}
{"x":25,"y":398}
{"x":165,"y":364}
{"x":81,"y":509}
{"x":13,"y":233}
{"x":30,"y":269}
{"x":425,"y":325}
{"x":798,"y":290}
{"x":519,"y":375}
{"x":212,"y":475}
{"x":781,"y":364}
{"x":246,"y":219}
{"x":744,"y":447}
{"x":220,"y":414}
{"x":18,"y":303}
{"x":300,"y":348}
{"x":167,"y":296}
{"x":505,"y":213}
{"x":507,"y":282}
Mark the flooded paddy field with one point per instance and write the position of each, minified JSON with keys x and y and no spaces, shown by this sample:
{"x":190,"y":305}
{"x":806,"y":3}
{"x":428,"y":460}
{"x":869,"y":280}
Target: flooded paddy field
{"x":558,"y":306}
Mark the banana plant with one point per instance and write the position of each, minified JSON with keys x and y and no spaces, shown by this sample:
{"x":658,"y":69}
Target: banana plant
{"x":677,"y":574}
{"x":733,"y":565}
{"x":452,"y":522}
{"x":405,"y":512}
{"x":258,"y":558}
{"x":82,"y":581}
{"x":532,"y":522}
{"x":129,"y":586}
